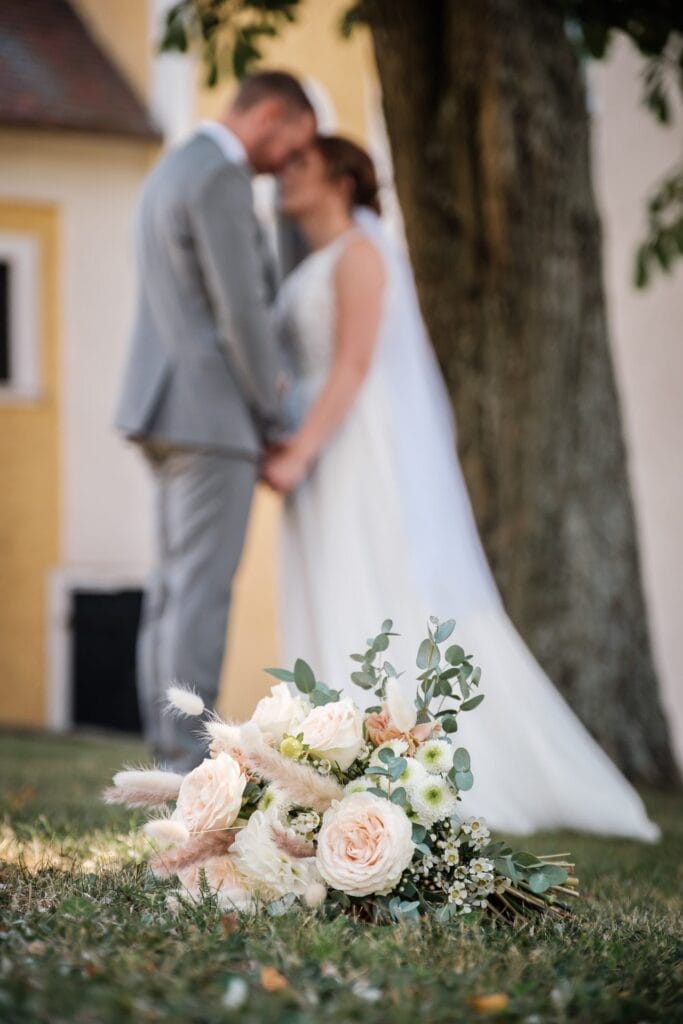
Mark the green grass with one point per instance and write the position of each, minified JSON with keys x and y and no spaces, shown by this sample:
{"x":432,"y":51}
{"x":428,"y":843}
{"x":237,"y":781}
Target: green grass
{"x":86,"y":935}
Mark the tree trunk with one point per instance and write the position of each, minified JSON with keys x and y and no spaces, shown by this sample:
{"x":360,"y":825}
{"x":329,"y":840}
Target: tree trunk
{"x":486,"y":114}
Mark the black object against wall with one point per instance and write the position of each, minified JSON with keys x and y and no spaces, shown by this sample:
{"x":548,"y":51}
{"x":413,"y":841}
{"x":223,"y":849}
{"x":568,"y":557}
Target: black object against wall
{"x":104,"y":633}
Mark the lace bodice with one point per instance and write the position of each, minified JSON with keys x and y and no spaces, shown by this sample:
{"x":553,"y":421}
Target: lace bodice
{"x":306,"y":314}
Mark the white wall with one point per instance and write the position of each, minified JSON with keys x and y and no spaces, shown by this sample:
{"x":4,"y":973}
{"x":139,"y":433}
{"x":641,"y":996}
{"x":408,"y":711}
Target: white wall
{"x":631,"y":152}
{"x":94,"y":182}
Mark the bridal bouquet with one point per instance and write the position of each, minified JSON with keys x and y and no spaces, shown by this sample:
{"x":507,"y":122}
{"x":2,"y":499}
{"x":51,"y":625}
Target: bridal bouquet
{"x":315,"y":800}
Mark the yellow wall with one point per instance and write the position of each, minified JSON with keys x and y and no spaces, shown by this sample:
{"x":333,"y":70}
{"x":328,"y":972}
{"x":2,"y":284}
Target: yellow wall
{"x":313,"y":49}
{"x":121,"y":28}
{"x":29,"y":506}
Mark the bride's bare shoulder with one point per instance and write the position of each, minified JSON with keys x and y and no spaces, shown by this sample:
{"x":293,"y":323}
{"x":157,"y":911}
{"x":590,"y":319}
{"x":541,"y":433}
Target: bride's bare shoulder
{"x":360,"y":264}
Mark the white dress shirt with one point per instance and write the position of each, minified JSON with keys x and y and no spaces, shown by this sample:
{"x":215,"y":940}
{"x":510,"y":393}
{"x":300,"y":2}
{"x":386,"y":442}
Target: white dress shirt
{"x":231,"y":147}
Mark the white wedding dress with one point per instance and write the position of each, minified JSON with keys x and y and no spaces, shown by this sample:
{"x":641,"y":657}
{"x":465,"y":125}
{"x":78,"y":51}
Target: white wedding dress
{"x":383,"y":528}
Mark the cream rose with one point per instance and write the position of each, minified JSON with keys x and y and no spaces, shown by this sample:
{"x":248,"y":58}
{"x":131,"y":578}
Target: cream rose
{"x":364,"y":846}
{"x":335,"y":730}
{"x":280,"y":713}
{"x":210,"y":797}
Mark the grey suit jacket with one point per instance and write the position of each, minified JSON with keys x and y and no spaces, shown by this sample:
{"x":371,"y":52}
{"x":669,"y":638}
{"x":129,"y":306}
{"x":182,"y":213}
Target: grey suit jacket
{"x":203,"y":364}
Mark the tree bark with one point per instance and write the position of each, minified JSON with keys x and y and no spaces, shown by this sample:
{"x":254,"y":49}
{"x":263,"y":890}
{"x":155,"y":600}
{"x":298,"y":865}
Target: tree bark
{"x":486,"y":114}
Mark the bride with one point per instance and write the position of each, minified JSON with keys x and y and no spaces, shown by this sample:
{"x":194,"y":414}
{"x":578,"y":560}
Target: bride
{"x":377,"y":520}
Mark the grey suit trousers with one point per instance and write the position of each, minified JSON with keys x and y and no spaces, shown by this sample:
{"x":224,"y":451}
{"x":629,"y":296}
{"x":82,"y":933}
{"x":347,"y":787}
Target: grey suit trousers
{"x":202,"y":502}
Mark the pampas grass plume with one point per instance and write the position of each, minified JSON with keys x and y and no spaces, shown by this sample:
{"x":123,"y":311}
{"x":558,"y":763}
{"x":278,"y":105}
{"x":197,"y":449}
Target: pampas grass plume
{"x":143,"y":787}
{"x":315,"y":894}
{"x":185,"y":701}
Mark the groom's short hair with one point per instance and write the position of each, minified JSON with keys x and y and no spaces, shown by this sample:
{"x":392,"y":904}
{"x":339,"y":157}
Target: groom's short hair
{"x":263,"y":85}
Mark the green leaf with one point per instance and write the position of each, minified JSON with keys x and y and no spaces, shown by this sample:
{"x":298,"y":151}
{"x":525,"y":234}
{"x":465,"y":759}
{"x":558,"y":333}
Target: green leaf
{"x":281,"y":673}
{"x":381,"y":642}
{"x":322,"y":694}
{"x":377,"y":792}
{"x":303,"y":676}
{"x":419,"y":833}
{"x":464,"y":780}
{"x":472,"y":703}
{"x":387,"y":626}
{"x":358,"y":657}
{"x":444,"y":630}
{"x":389,"y":669}
{"x":399,"y":797}
{"x":461,"y":760}
{"x":449,"y":723}
{"x":555,"y":874}
{"x":397,"y":768}
{"x":428,"y":655}
{"x":455,"y":655}
{"x":476,"y":677}
{"x":387,"y":755}
{"x":538,"y":882}
{"x":525,"y":860}
{"x":363,"y":679}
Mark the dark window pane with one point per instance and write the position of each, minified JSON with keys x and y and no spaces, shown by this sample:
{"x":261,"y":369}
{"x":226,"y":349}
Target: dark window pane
{"x":5,"y":368}
{"x":105,"y":627}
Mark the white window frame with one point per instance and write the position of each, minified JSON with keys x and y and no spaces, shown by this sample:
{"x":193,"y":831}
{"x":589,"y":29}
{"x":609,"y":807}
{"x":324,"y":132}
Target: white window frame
{"x":22,"y":253}
{"x":62,"y":585}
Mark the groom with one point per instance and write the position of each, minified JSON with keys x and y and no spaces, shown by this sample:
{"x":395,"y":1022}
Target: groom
{"x":200,"y":391}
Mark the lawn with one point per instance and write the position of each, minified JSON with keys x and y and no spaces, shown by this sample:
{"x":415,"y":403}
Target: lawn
{"x":86,"y":936}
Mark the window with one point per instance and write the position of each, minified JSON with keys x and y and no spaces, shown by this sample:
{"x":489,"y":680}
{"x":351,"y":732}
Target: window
{"x":19,"y":317}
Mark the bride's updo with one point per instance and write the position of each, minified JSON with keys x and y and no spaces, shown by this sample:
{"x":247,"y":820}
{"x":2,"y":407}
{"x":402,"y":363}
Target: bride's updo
{"x":344,"y":159}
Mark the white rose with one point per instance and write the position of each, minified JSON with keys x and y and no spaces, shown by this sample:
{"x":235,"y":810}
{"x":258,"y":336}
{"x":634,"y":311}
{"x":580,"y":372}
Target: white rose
{"x":280,"y":713}
{"x":335,"y":730}
{"x":270,"y":869}
{"x":210,"y":797}
{"x":364,"y":846}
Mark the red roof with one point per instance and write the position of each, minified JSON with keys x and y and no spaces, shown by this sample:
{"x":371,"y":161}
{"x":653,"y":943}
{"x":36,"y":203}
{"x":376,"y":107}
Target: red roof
{"x":54,"y":75}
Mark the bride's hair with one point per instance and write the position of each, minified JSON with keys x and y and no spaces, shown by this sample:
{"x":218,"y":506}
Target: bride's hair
{"x":344,"y":159}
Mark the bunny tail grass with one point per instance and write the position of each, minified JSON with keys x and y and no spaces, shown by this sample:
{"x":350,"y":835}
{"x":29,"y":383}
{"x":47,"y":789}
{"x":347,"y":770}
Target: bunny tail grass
{"x":143,"y":787}
{"x":297,"y":782}
{"x":195,"y":850}
{"x":166,"y":832}
{"x":289,"y":843}
{"x":183,"y":701}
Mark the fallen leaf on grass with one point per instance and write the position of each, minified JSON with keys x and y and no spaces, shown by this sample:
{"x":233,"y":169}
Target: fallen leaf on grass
{"x":493,"y":1003}
{"x":272,"y":980}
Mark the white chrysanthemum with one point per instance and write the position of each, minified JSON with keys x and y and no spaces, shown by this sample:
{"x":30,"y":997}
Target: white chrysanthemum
{"x":360,"y":785}
{"x":414,"y":775}
{"x":397,"y":748}
{"x":273,"y":800}
{"x":269,"y":868}
{"x":433,"y":801}
{"x":436,"y":756}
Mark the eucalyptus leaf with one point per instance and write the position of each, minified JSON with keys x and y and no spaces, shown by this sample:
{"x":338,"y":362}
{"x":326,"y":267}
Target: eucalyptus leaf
{"x":387,"y":626}
{"x":472,"y":703}
{"x":386,"y":755}
{"x":282,"y":674}
{"x":449,"y":724}
{"x":461,"y":760}
{"x":377,"y":792}
{"x":539,"y":882}
{"x":419,"y":833}
{"x":464,"y":780}
{"x":303,"y":676}
{"x":381,"y":643}
{"x":444,"y":630}
{"x":455,"y":655}
{"x":555,"y":874}
{"x":363,"y":679}
{"x":428,"y":655}
{"x":398,"y":796}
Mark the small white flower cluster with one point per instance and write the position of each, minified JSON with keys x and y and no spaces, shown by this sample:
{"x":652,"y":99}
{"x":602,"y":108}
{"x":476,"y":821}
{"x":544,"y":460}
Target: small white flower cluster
{"x":476,"y":833}
{"x":305,"y":823}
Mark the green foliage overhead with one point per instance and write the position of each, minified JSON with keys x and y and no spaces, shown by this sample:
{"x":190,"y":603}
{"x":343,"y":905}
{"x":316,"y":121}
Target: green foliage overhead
{"x":229,"y":34}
